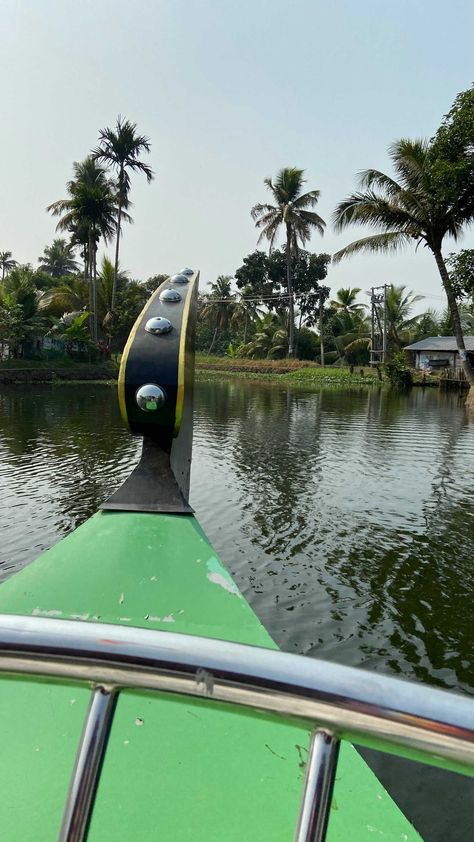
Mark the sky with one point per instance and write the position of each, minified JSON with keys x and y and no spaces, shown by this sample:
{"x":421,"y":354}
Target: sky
{"x":228,"y":91}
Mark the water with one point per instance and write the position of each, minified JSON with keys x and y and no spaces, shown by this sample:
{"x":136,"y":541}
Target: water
{"x":347,"y":519}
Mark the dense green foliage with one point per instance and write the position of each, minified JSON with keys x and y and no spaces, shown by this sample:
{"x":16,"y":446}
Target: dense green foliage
{"x":397,"y":371}
{"x":276,"y":304}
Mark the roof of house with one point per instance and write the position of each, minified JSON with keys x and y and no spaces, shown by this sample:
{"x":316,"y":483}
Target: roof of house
{"x":440,"y":343}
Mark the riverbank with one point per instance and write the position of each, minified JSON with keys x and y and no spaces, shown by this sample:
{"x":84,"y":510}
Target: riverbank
{"x":297,"y":372}
{"x":57,"y":371}
{"x":283,"y":371}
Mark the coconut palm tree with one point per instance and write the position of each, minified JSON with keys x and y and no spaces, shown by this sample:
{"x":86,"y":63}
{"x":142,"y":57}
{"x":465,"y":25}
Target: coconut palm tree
{"x":270,"y":340}
{"x":245,"y":310}
{"x":292,"y":210}
{"x":120,"y":149}
{"x":405,"y":209}
{"x":58,"y":259}
{"x":345,"y":300}
{"x":70,"y":297}
{"x":219,"y":306}
{"x":399,"y":304}
{"x":105,"y":286}
{"x":90,"y":211}
{"x":6,"y":262}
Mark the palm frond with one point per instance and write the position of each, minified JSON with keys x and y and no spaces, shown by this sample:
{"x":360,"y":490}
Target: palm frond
{"x":378,"y":243}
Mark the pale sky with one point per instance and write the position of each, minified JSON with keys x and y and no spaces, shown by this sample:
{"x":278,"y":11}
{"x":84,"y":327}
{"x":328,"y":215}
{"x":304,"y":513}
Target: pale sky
{"x":228,"y":91}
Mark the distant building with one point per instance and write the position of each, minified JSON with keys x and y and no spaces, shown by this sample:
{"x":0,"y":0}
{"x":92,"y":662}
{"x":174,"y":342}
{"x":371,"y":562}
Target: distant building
{"x":439,"y":352}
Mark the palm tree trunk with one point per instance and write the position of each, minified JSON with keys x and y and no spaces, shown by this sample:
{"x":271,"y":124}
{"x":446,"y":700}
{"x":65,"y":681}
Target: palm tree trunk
{"x":298,"y":334}
{"x":94,"y":293}
{"x":321,"y":332}
{"x":117,"y":247}
{"x":119,"y":224}
{"x":291,"y":315}
{"x":91,"y":292}
{"x":213,"y":340}
{"x":456,"y":321}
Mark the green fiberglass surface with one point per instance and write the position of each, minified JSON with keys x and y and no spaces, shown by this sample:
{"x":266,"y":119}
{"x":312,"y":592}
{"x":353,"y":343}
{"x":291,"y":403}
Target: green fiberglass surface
{"x":175,"y":768}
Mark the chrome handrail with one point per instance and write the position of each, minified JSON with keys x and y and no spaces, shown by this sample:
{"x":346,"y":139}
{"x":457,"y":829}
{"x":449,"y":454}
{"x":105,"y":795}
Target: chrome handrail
{"x":389,"y":714}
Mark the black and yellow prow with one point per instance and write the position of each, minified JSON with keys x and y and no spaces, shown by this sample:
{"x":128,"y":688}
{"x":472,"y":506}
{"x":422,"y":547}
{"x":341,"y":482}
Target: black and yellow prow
{"x":155,"y":391}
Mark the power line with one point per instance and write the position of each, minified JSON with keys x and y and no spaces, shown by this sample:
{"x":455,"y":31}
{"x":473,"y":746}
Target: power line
{"x":239,"y":300}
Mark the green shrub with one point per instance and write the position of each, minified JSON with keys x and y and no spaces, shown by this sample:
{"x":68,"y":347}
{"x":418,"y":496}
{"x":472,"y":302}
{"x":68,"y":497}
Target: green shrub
{"x":397,"y":371}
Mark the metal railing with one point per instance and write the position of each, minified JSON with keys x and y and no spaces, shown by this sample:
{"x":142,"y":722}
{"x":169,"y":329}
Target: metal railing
{"x":419,"y":722}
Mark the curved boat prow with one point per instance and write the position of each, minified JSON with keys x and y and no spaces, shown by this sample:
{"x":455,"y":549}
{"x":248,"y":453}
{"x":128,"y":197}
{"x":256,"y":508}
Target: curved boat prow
{"x":155,"y":396}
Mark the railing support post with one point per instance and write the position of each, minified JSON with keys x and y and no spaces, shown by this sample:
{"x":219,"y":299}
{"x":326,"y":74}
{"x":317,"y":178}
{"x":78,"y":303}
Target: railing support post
{"x":318,"y":787}
{"x":85,"y":777}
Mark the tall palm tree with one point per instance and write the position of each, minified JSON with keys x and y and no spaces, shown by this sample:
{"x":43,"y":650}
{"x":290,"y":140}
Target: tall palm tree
{"x":219,"y":306}
{"x":58,"y":259}
{"x":120,"y":149}
{"x":291,"y":211}
{"x":90,"y":212}
{"x":6,"y":262}
{"x":406,"y":209}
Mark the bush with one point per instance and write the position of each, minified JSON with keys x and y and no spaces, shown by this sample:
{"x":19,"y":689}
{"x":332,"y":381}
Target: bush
{"x":308,"y":345}
{"x":397,"y":371}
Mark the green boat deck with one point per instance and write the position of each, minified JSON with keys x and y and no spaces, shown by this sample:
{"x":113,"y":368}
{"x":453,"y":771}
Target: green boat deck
{"x":175,"y":768}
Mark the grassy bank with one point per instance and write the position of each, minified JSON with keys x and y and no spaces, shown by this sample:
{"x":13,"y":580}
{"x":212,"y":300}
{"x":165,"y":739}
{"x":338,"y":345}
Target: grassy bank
{"x":285,"y":371}
{"x":298,"y":372}
{"x":57,"y":371}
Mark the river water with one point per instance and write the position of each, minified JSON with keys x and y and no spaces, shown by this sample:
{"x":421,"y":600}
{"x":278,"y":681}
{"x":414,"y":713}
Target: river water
{"x":346,"y":518}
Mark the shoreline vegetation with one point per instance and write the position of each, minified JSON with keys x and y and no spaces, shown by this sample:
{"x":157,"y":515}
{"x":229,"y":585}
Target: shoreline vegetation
{"x":273,"y":318}
{"x":208,"y":367}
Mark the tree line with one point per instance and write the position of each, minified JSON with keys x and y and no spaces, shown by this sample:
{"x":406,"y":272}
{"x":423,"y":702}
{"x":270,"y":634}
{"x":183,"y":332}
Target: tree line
{"x":101,"y":301}
{"x":276,"y":303}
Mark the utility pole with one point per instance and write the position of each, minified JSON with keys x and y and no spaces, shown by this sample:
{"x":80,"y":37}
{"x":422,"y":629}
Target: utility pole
{"x":321,"y":335}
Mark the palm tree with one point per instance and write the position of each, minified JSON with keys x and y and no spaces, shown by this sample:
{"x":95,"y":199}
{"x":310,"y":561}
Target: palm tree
{"x":6,"y":262}
{"x":292,"y":211}
{"x":58,"y":259}
{"x":345,"y":300}
{"x":120,"y":149}
{"x":90,"y":212}
{"x":219,"y":306}
{"x":405,"y":209}
{"x":270,"y":340}
{"x":245,"y":309}
{"x":105,"y":288}
{"x":70,"y":297}
{"x":401,"y":325}
{"x":19,"y":317}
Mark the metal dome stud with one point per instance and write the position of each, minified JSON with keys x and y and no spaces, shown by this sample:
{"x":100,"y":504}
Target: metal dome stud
{"x":179,"y":279}
{"x":170,"y":295}
{"x":158,"y":325}
{"x":150,"y":397}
